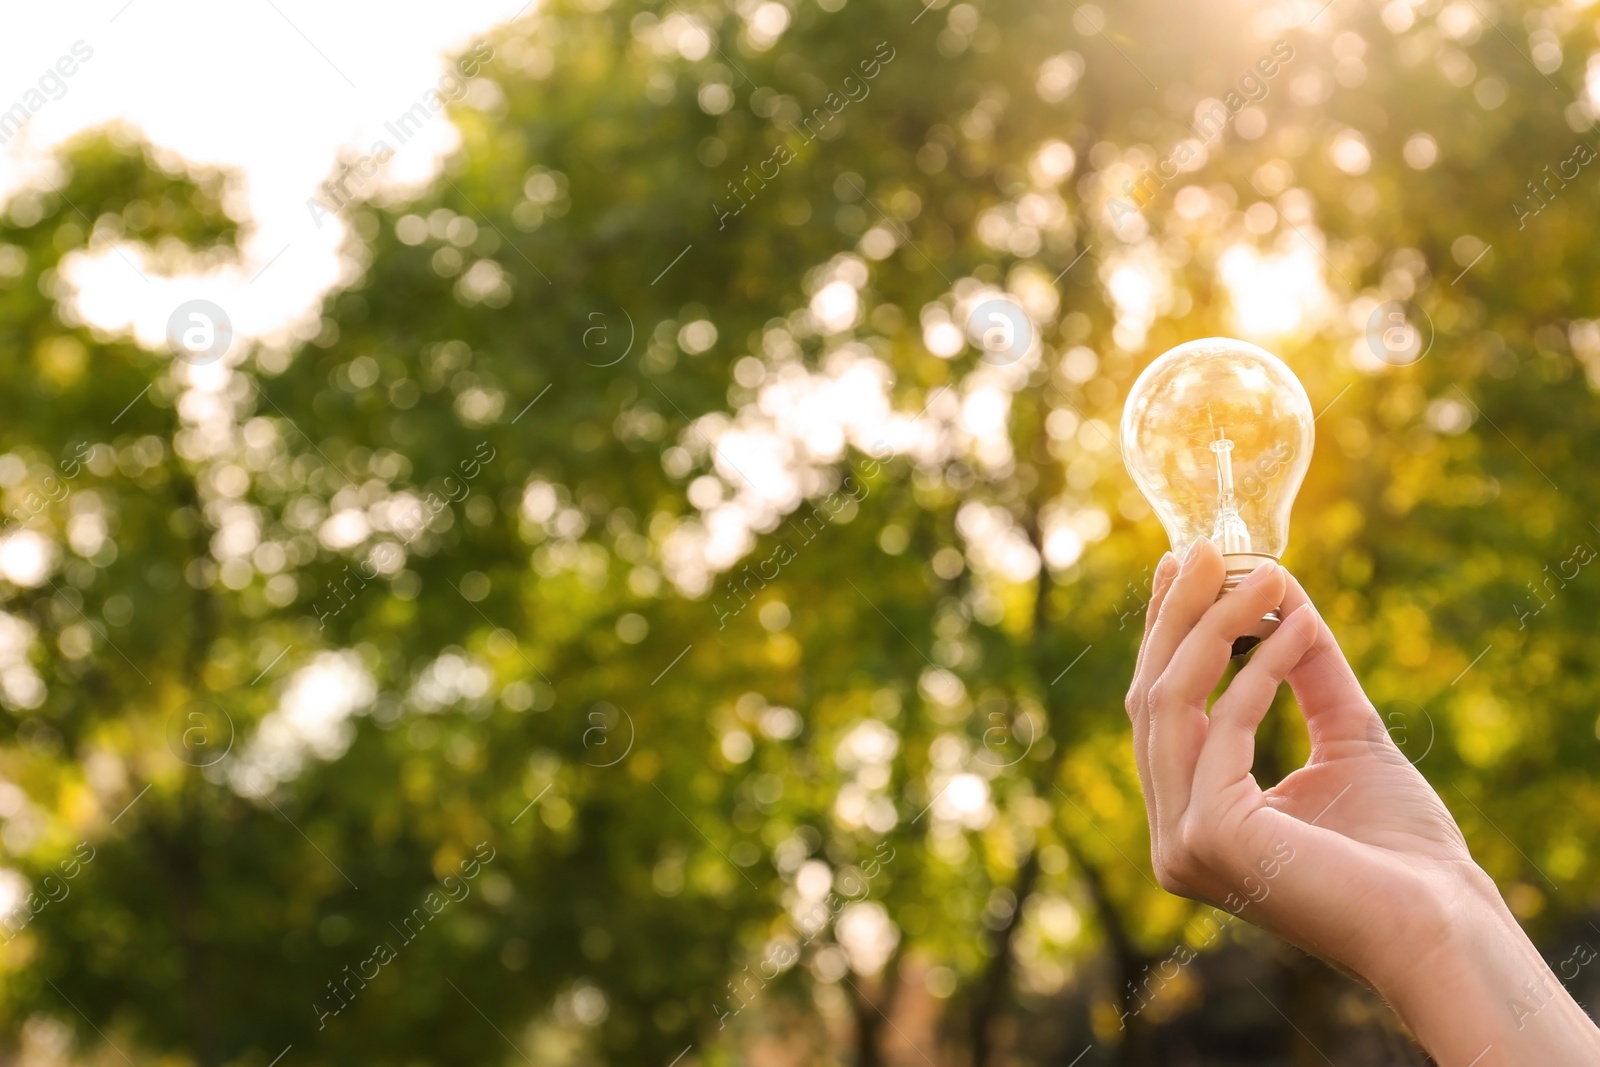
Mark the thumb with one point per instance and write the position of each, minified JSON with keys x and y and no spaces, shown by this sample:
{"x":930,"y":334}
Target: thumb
{"x":1330,"y":696}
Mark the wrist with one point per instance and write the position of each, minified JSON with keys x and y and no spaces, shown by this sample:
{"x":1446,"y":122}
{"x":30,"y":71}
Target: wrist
{"x":1480,"y":993}
{"x":1451,"y":936}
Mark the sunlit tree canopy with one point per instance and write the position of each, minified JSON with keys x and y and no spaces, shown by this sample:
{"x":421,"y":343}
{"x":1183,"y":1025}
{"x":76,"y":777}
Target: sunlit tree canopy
{"x":644,"y":614}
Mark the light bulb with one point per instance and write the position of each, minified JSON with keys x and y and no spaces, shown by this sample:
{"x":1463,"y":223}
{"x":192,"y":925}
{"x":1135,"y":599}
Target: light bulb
{"x":1217,"y":435}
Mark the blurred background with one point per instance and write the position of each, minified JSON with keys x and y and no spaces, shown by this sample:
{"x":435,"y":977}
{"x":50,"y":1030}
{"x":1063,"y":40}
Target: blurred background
{"x":522,"y":544}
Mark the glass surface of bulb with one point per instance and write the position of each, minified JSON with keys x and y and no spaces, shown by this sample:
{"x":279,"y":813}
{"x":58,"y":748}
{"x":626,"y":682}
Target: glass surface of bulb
{"x":1217,"y":435}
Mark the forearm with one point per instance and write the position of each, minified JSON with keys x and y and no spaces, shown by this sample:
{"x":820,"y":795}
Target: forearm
{"x":1485,"y":998}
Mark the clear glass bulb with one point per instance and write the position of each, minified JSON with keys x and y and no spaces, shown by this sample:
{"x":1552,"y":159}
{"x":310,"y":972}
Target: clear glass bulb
{"x":1217,"y":435}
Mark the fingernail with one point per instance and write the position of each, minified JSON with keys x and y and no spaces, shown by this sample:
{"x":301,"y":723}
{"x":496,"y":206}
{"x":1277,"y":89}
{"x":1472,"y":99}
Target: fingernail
{"x":1260,"y":574}
{"x":1194,"y":552}
{"x":1165,"y":567}
{"x":1307,"y":628}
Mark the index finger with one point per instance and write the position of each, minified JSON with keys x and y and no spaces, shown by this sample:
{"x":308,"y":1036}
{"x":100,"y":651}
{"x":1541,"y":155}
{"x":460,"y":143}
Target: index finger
{"x":1165,"y":571}
{"x":1193,"y":590}
{"x":1179,"y":726}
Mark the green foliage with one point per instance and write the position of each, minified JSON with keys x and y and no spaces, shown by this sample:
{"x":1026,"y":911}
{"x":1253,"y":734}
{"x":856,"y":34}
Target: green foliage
{"x":550,"y":679}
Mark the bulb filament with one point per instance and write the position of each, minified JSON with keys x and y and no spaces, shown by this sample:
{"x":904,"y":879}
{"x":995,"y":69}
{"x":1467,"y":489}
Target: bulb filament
{"x":1230,"y":533}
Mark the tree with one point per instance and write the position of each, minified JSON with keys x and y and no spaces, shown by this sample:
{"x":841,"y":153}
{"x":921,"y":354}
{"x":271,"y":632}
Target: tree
{"x":660,"y":526}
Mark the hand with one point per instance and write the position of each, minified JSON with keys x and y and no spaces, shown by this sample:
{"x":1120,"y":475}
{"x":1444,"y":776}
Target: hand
{"x":1353,"y":857}
{"x":1357,"y":810}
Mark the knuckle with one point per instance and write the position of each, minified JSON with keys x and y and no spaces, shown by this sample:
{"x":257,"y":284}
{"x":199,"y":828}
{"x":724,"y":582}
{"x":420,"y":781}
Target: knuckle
{"x":1176,"y":869}
{"x":1166,"y":873}
{"x":1195,"y":847}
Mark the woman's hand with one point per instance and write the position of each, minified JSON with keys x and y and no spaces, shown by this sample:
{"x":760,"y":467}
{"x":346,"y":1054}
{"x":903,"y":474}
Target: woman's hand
{"x":1353,"y":857}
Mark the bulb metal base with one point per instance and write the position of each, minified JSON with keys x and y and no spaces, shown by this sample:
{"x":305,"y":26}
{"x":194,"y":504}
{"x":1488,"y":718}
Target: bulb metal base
{"x":1239,"y":565}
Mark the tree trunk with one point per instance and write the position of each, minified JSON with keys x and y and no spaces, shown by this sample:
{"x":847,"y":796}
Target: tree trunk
{"x":871,"y":1013}
{"x":179,"y":852}
{"x":868,"y":1025}
{"x":178,"y":864}
{"x":1127,"y":962}
{"x":996,"y":982}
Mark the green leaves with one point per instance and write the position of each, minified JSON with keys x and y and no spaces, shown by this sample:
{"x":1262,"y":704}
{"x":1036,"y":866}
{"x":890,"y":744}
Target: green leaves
{"x":545,"y":540}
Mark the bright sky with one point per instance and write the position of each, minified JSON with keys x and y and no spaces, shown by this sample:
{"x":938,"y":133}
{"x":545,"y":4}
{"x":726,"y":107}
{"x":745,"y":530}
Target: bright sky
{"x":273,"y":89}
